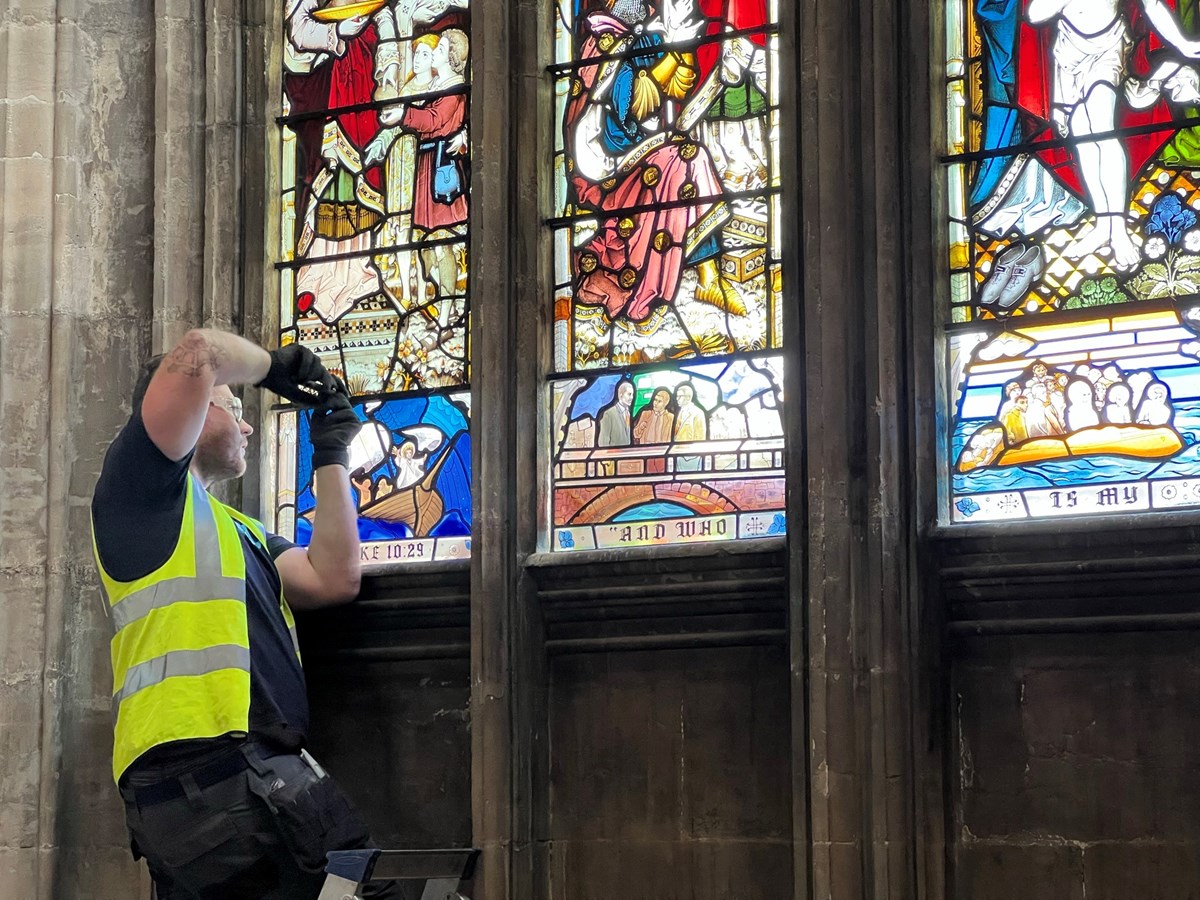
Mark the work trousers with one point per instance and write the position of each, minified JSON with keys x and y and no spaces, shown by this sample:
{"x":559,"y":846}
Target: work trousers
{"x":222,"y":841}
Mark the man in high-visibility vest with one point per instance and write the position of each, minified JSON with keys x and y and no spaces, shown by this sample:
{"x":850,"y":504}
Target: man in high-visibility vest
{"x":221,"y":797}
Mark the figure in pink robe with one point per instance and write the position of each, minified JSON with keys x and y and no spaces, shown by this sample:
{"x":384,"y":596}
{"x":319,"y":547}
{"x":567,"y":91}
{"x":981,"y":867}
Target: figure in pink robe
{"x":628,"y":155}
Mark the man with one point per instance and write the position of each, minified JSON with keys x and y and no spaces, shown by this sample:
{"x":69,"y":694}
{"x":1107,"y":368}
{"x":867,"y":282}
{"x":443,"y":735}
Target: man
{"x":1091,"y":58}
{"x":690,"y":425}
{"x":615,"y":424}
{"x":655,"y":424}
{"x":614,"y":421}
{"x":209,"y":697}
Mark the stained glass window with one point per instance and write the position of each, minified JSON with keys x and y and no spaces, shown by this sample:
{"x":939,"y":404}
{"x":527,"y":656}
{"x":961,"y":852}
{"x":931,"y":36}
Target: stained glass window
{"x":1073,"y":175}
{"x":373,"y":261}
{"x":667,"y":385}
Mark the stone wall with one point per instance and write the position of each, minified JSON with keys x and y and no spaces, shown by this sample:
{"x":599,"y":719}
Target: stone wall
{"x":76,"y":219}
{"x":1076,"y":769}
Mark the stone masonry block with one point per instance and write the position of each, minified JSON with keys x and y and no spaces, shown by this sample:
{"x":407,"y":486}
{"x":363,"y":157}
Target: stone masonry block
{"x":20,"y":776}
{"x":101,"y":873}
{"x":18,"y":871}
{"x":22,"y":604}
{"x":26,"y":214}
{"x":29,"y":128}
{"x":1030,"y":872}
{"x":30,"y":62}
{"x":181,"y":64}
{"x":1144,"y":871}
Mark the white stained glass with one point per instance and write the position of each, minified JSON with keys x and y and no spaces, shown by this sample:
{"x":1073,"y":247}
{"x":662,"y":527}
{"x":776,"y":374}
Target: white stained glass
{"x":285,"y":475}
{"x":954,"y":39}
{"x":956,"y":118}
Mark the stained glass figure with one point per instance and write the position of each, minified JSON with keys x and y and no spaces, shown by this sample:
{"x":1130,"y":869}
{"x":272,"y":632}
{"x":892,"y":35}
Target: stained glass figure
{"x":669,"y":455}
{"x":1071,"y":172}
{"x":667,"y":253}
{"x":410,"y":473}
{"x":374,"y":210}
{"x":1074,"y":183}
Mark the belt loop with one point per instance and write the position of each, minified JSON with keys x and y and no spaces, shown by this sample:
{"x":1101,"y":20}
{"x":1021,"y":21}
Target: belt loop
{"x":133,"y":810}
{"x":192,"y":790}
{"x":253,"y":760}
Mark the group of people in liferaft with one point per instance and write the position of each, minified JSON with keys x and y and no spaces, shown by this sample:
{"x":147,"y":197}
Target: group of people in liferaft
{"x":1051,"y":403}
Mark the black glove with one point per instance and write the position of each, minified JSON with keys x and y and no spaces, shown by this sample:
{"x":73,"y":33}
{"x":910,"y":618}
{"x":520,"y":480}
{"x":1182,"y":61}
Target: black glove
{"x":332,"y":428}
{"x":297,"y":375}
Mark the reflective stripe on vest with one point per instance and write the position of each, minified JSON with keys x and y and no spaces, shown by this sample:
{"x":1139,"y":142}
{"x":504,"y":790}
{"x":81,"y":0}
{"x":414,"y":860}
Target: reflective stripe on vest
{"x":139,"y":604}
{"x":182,"y":662}
{"x":260,"y":533}
{"x":181,"y":646}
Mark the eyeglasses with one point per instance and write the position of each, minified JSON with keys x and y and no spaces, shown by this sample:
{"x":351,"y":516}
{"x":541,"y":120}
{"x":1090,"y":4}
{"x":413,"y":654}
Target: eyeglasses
{"x":233,"y":405}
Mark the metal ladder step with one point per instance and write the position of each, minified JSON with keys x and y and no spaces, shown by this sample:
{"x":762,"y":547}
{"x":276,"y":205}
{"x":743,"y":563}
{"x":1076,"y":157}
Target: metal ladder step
{"x":442,"y":871}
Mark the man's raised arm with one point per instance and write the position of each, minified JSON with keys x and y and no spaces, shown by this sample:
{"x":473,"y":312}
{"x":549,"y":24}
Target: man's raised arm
{"x":177,"y":398}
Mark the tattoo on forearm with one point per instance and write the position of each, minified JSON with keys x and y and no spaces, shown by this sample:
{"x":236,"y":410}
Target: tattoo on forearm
{"x":194,"y":355}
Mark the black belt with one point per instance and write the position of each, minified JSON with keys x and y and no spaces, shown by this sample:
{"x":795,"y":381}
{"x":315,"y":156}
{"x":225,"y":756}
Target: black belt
{"x":205,"y":776}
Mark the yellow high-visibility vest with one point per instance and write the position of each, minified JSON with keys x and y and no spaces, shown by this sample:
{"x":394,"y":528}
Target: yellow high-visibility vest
{"x":181,"y":642}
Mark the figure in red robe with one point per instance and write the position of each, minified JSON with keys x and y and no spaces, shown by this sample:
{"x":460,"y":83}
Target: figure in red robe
{"x":339,"y":199}
{"x":631,"y":159}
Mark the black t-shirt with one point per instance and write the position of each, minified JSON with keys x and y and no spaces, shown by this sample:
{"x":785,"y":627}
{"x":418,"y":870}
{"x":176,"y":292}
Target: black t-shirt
{"x":138,"y":509}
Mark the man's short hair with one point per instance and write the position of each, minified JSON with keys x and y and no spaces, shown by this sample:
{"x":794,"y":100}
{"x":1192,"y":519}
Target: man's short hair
{"x":143,"y":382}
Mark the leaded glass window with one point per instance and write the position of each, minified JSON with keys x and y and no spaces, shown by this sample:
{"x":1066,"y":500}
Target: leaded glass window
{"x":1072,"y":360}
{"x":373,"y":261}
{"x":667,"y":381}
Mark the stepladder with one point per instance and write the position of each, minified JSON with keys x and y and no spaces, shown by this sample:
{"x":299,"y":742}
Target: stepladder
{"x":423,"y":874}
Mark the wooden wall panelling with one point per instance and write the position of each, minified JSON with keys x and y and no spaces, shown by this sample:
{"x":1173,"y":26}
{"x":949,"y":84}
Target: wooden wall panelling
{"x":669,"y":729}
{"x":389,"y":684}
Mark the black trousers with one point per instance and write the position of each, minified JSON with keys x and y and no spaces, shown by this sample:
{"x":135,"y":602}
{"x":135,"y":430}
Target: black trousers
{"x":223,"y":841}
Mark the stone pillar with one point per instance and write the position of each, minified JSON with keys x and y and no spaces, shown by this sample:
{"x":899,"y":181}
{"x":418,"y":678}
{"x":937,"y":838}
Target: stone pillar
{"x":76,"y":177}
{"x":502,"y":727}
{"x":104,"y":254}
{"x":855,"y":632}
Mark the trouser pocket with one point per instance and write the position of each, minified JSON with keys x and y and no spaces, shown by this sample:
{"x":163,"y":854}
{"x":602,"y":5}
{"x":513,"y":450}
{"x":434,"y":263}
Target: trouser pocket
{"x":219,"y":844}
{"x":312,"y":812}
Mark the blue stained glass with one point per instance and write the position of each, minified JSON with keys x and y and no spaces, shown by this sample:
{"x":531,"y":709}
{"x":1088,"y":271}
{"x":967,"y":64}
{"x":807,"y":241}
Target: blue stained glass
{"x":654,"y":511}
{"x":410,"y":470}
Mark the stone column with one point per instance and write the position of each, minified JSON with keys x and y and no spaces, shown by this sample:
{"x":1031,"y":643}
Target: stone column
{"x":855,"y":618}
{"x":104,"y":254}
{"x":76,"y":177}
{"x":502,"y":727}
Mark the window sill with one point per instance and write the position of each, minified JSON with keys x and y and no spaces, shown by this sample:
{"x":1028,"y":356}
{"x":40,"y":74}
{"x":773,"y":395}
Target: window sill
{"x":1065,"y":526}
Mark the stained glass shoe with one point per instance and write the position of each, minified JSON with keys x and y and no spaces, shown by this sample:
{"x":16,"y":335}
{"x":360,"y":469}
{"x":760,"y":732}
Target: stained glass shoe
{"x":1025,"y":272}
{"x":1001,"y":275}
